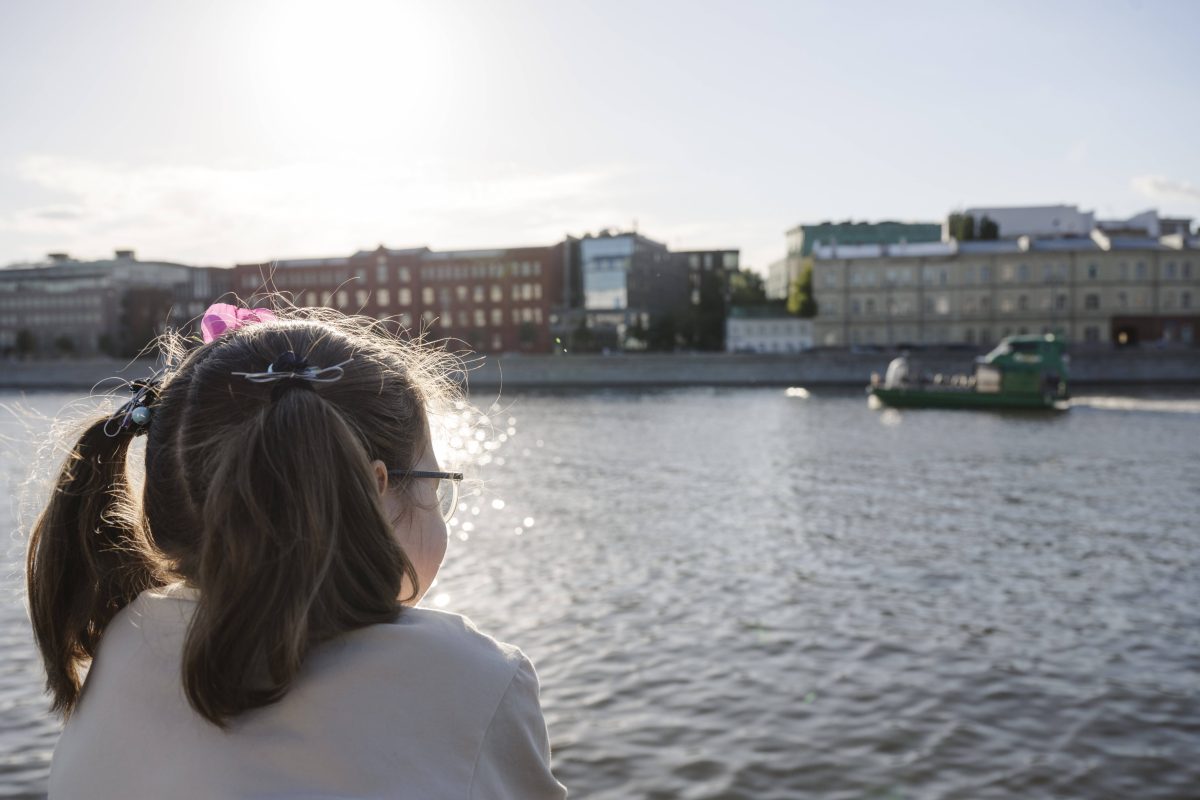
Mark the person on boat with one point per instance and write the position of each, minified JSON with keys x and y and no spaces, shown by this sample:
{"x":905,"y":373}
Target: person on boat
{"x":248,"y":626}
{"x":897,"y":372}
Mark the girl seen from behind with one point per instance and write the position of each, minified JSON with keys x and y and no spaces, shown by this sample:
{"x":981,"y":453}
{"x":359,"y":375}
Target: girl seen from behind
{"x":247,"y":626}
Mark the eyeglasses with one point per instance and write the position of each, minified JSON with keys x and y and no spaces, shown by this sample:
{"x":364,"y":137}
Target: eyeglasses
{"x":447,"y":487}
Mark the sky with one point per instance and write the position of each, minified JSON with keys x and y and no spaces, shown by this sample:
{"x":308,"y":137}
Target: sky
{"x":223,"y":132}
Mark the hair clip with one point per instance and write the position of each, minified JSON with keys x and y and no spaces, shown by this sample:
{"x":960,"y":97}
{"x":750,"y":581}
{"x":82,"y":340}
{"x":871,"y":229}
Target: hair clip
{"x":136,"y":412}
{"x":222,"y":318}
{"x":290,"y":365}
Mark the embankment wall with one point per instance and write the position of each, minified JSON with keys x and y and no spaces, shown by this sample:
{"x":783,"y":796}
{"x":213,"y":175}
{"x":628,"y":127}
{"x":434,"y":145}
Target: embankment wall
{"x":816,"y":368}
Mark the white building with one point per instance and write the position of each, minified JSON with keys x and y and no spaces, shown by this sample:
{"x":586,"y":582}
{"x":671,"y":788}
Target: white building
{"x":766,"y":330}
{"x":780,"y":275}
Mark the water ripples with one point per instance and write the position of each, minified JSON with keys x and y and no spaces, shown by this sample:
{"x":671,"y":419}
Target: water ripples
{"x":741,"y":594}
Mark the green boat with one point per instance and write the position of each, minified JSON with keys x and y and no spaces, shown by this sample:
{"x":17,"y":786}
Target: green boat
{"x":1022,"y":372}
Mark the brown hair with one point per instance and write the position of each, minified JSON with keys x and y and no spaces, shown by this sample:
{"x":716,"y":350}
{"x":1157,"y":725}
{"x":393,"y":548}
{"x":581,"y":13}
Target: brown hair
{"x":261,"y":495}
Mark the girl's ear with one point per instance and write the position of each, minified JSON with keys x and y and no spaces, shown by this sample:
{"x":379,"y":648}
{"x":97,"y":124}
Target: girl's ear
{"x":381,"y":476}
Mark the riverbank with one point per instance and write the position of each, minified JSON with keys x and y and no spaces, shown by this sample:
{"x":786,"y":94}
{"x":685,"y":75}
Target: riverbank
{"x":814,"y":368}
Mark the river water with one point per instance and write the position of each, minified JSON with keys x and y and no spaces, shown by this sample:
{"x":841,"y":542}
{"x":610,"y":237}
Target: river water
{"x":761,"y":594}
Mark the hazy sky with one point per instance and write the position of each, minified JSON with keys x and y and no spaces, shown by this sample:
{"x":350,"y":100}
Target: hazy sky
{"x":216,"y":132}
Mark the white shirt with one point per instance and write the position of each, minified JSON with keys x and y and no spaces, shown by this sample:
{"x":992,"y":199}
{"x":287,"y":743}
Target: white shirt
{"x":426,"y":707}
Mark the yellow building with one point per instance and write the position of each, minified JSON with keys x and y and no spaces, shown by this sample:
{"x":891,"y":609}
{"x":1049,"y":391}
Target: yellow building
{"x":1093,"y":289}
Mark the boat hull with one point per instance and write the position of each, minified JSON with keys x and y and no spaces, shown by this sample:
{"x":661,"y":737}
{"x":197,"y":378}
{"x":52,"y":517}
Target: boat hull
{"x":954,"y":398}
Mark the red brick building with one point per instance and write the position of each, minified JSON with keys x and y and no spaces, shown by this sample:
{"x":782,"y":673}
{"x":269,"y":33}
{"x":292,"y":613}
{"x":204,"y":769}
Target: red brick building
{"x":491,"y":300}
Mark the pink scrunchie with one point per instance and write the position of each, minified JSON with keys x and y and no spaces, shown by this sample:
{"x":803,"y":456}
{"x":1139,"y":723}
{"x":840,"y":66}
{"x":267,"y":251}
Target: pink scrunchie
{"x":221,"y":318}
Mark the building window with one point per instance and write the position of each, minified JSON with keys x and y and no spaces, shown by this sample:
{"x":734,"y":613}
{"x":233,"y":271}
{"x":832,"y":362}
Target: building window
{"x":1141,"y":269}
{"x":985,"y":304}
{"x":1092,"y":272}
{"x":497,"y":342}
{"x":403,"y":274}
{"x":516,"y":291}
{"x":477,"y":295}
{"x":1022,"y":303}
{"x":1185,"y":299}
{"x":343,"y":299}
{"x":427,"y":295}
{"x":870,"y":306}
{"x":460,"y":292}
{"x":537,"y":291}
{"x":1187,"y":269}
{"x":1091,"y":334}
{"x":497,"y":293}
{"x":311,"y":299}
{"x":383,"y":297}
{"x":1122,"y":300}
{"x":1006,"y":273}
{"x":381,"y":272}
{"x":404,"y":296}
{"x":1091,"y":302}
{"x":1060,"y":302}
{"x":985,"y":274}
{"x":1171,"y":269}
{"x":480,"y":318}
{"x":463,"y":320}
{"x":427,"y":317}
{"x":1023,"y":273}
{"x":497,"y":317}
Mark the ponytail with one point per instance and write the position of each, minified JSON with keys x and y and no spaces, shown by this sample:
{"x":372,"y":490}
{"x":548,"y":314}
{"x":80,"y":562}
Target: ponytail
{"x":87,"y":559}
{"x":295,"y":549}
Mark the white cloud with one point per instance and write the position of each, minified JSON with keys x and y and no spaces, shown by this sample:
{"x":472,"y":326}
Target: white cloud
{"x":220,"y":215}
{"x":1158,"y":187}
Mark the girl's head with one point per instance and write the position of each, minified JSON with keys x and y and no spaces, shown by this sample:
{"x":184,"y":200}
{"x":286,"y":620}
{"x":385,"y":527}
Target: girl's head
{"x":286,"y":502}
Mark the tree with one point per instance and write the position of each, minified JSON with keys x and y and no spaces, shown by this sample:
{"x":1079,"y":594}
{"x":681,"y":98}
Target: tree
{"x":26,"y":342}
{"x":988,"y":229}
{"x":106,"y":345}
{"x":962,"y":227}
{"x":800,"y":294}
{"x":746,"y":288}
{"x":582,"y":339}
{"x":662,"y":334}
{"x":527,"y":333}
